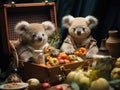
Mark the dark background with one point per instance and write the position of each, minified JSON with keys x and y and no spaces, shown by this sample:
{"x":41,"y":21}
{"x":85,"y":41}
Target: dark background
{"x":106,"y":11}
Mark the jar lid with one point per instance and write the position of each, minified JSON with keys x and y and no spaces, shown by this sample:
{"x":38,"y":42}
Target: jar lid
{"x":113,"y":31}
{"x":38,"y":51}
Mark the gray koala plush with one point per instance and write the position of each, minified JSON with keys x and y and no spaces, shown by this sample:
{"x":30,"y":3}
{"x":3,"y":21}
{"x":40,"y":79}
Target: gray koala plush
{"x":79,"y":30}
{"x":33,"y":36}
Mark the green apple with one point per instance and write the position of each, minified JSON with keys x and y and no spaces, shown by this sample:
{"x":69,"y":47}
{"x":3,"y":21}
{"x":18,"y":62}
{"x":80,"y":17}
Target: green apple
{"x":33,"y":83}
{"x":72,"y":57}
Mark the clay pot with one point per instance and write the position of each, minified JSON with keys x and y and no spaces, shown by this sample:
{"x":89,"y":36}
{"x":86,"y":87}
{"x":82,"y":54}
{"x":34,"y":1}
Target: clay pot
{"x":103,"y":50}
{"x":113,"y":43}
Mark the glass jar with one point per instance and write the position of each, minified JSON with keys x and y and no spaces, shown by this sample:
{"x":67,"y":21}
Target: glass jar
{"x":40,"y":58}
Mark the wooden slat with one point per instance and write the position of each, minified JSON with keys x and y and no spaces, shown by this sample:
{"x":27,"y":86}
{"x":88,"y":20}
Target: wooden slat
{"x":29,"y":4}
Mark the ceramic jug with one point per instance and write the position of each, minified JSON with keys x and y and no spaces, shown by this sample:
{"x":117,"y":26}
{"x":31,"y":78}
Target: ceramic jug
{"x":103,"y":50}
{"x":113,"y":43}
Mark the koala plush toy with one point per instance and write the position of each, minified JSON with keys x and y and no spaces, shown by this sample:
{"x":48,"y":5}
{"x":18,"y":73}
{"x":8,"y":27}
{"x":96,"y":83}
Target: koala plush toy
{"x":33,"y":36}
{"x":79,"y":30}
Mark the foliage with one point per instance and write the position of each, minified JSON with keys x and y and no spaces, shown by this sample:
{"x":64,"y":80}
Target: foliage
{"x":54,"y":40}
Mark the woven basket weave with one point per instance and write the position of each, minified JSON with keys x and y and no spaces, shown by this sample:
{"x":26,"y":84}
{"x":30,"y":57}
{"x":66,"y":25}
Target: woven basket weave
{"x":13,"y":54}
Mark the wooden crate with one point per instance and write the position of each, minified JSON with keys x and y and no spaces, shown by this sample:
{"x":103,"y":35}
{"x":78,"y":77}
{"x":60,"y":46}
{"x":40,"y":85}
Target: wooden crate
{"x":53,"y":75}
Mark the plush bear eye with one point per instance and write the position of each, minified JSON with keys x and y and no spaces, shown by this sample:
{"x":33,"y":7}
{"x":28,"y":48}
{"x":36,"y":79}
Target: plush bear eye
{"x":83,"y":29}
{"x":33,"y":35}
{"x":74,"y":29}
{"x":42,"y":34}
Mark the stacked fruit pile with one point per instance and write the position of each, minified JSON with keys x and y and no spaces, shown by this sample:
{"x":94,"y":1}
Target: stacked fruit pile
{"x":54,"y":57}
{"x":91,"y":78}
{"x":88,"y":79}
{"x":35,"y":84}
{"x":85,"y":76}
{"x":115,"y":73}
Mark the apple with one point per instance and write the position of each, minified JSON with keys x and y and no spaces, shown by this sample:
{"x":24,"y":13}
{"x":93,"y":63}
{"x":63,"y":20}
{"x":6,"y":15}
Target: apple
{"x":33,"y":83}
{"x":61,"y":61}
{"x":58,"y":87}
{"x":62,"y":55}
{"x":54,"y":61}
{"x":45,"y":85}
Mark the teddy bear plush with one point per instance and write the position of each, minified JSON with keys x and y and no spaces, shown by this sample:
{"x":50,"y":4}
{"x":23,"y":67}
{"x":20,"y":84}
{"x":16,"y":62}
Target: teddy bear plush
{"x":79,"y":30}
{"x":33,"y":36}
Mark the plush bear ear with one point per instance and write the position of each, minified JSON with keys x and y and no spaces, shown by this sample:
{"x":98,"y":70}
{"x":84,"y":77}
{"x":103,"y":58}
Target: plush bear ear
{"x":92,"y":21}
{"x":67,"y":20}
{"x":49,"y":27}
{"x":21,"y":27}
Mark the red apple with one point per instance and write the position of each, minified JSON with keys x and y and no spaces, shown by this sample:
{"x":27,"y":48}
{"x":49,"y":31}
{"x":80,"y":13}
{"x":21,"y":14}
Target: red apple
{"x":58,"y":87}
{"x":61,"y":61}
{"x":45,"y":85}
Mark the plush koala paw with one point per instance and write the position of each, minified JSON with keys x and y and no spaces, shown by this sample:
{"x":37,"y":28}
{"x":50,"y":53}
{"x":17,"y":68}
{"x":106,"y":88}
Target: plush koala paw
{"x":69,"y":51}
{"x":31,"y":60}
{"x":89,"y":55}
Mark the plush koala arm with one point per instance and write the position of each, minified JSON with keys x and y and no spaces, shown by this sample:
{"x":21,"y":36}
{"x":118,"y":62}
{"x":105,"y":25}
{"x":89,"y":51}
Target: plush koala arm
{"x":27,"y":56}
{"x":92,"y":21}
{"x":93,"y":51}
{"x":49,"y":27}
{"x":21,"y":27}
{"x":68,"y":48}
{"x":67,"y":20}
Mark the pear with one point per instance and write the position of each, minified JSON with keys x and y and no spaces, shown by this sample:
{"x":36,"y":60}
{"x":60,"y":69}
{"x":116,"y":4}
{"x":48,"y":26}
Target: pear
{"x":117,"y":63}
{"x":84,"y":81}
{"x":100,"y":84}
{"x":118,"y":59}
{"x":115,"y":73}
{"x":70,"y":76}
{"x":78,"y":75}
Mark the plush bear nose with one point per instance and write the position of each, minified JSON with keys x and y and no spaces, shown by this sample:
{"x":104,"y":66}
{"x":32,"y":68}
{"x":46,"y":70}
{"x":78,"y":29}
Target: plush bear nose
{"x":40,"y":38}
{"x":78,"y":32}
